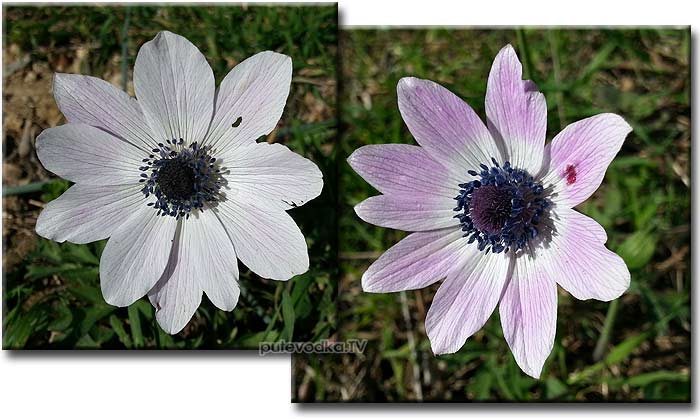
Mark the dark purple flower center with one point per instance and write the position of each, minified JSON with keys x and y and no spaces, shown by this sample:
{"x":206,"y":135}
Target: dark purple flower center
{"x":176,"y":179}
{"x":489,"y":208}
{"x":501,"y":210}
{"x":182,"y":178}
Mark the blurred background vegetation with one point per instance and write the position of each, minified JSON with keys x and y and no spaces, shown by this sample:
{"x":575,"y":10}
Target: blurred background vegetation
{"x":635,"y":348}
{"x":51,"y":293}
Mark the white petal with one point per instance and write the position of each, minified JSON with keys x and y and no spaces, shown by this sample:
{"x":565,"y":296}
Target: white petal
{"x":255,"y":91}
{"x":87,"y":213}
{"x":465,"y":301}
{"x":271,"y":173}
{"x":218,"y":266}
{"x":92,"y":101}
{"x":175,"y":87}
{"x":202,"y":259}
{"x":85,"y":154}
{"x":135,"y":256}
{"x":266,"y":239}
{"x":177,"y":294}
{"x":528,"y":310}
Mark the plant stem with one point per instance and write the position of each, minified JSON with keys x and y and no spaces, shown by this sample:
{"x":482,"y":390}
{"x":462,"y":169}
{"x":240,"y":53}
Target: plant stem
{"x":22,"y":189}
{"x":125,"y":47}
{"x":525,"y":51}
{"x":415,"y":369}
{"x":558,"y":95}
{"x":604,"y":338}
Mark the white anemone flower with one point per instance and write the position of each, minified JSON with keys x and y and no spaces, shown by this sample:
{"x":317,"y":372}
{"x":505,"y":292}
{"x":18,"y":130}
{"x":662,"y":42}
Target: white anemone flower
{"x":176,"y":179}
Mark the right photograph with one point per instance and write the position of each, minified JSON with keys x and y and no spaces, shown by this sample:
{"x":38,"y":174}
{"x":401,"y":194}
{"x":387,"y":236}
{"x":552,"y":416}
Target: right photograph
{"x":514,"y":217}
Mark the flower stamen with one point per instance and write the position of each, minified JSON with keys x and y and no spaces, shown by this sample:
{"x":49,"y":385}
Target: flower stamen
{"x":182,"y":178}
{"x":502,"y":209}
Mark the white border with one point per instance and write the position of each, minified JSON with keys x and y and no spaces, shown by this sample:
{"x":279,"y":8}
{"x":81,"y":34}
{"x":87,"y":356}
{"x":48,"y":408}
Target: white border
{"x":243,"y":385}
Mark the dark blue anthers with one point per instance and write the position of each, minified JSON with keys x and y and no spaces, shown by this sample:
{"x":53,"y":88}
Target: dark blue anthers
{"x":501,"y":210}
{"x":182,"y":178}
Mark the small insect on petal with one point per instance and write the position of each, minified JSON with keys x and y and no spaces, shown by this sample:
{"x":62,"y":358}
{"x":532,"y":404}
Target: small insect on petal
{"x":237,"y":123}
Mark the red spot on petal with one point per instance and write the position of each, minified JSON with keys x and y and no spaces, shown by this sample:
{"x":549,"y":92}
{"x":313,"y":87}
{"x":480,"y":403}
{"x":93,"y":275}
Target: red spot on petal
{"x":570,"y":174}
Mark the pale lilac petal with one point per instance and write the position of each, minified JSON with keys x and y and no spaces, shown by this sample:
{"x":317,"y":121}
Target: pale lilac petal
{"x":416,"y":212}
{"x":136,"y":256}
{"x":272,"y":173}
{"x":465,"y":301}
{"x":177,"y":294}
{"x":402,"y":169}
{"x":528,"y":310}
{"x":580,"y":262}
{"x":175,"y":87}
{"x":580,"y":154}
{"x":218,"y":265}
{"x":85,"y":154}
{"x":250,"y":100}
{"x":202,"y":259}
{"x":420,"y":259}
{"x":266,"y":238}
{"x":445,"y":125}
{"x":516,"y":112}
{"x":92,"y":101}
{"x":88,"y":213}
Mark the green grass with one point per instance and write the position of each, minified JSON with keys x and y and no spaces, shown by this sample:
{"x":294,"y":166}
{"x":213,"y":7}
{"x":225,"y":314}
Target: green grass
{"x":636,"y":348}
{"x":52,"y":297}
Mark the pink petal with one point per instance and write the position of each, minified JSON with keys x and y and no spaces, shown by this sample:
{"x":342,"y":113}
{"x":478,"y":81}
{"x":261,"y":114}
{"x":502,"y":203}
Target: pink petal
{"x":580,"y":155}
{"x":580,"y":262}
{"x":445,"y":125}
{"x":92,"y":101}
{"x":420,"y":259}
{"x":516,"y":112}
{"x":465,"y":301}
{"x":528,"y":310}
{"x":402,"y":169}
{"x":416,"y":212}
{"x":175,"y":87}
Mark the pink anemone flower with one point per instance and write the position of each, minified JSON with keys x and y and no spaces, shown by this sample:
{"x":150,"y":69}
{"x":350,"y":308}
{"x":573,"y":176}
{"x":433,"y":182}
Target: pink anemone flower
{"x":489,"y":208}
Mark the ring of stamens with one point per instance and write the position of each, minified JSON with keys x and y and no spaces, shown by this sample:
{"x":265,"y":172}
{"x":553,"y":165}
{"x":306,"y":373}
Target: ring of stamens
{"x":501,"y":210}
{"x":182,"y":178}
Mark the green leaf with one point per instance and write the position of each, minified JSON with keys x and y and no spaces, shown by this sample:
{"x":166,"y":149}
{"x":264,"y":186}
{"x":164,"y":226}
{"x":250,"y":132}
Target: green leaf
{"x":643,"y":380}
{"x":93,"y":315}
{"x":118,"y":328}
{"x":80,"y":254}
{"x":637,"y":249}
{"x":624,"y":349}
{"x":253,"y":340}
{"x":555,"y":388}
{"x":63,"y":320}
{"x":135,"y":323}
{"x":287,"y":317}
{"x":481,"y":386}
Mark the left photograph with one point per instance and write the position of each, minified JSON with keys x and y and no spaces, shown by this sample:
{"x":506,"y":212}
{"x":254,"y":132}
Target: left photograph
{"x":169,"y":176}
